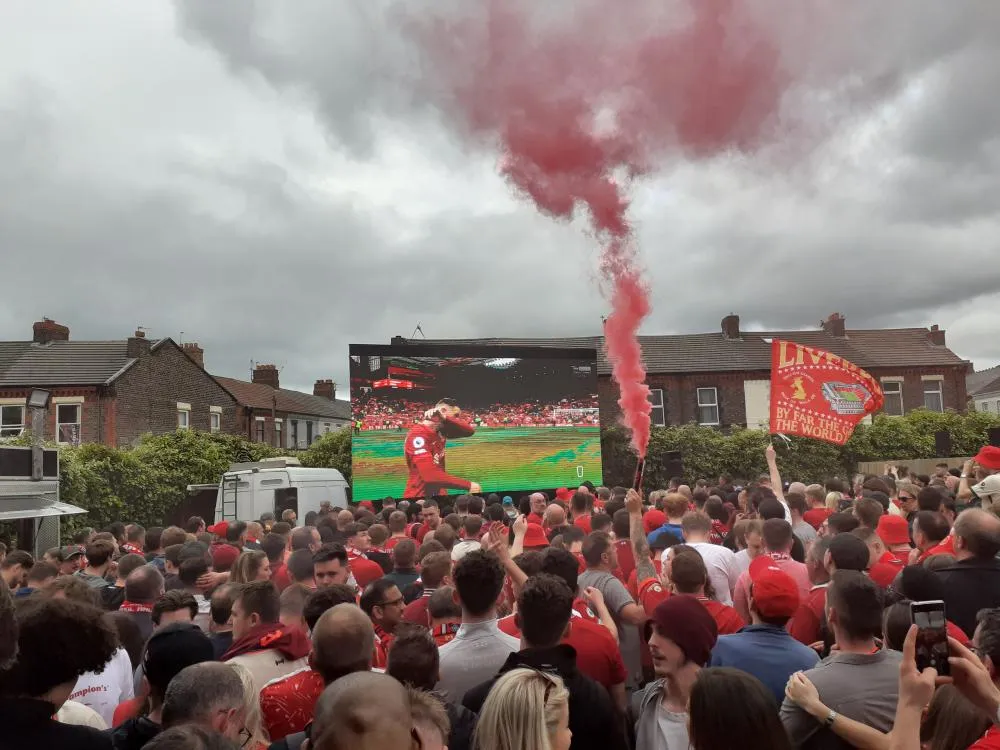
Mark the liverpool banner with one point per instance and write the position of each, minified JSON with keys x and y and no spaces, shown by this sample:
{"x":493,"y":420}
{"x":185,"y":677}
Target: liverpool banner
{"x":818,"y":394}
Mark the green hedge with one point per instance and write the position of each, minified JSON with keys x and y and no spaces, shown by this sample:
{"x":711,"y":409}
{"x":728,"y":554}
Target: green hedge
{"x":146,"y":482}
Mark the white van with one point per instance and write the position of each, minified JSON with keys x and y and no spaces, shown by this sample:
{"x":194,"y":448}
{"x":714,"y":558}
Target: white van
{"x":274,"y":485}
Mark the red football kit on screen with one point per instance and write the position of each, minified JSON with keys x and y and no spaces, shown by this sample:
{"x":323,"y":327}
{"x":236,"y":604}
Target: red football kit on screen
{"x":424,"y":452}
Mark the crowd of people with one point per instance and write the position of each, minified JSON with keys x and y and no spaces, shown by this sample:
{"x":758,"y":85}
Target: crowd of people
{"x":708,"y":616}
{"x":381,"y":412}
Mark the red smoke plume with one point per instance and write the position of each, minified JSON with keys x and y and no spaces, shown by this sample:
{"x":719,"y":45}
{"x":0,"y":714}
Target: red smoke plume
{"x":582,"y":102}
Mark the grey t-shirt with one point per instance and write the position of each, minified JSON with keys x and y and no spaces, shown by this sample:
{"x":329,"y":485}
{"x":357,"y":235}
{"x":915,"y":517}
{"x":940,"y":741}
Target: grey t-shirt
{"x":617,"y":597}
{"x":805,"y":532}
{"x":863,"y":687}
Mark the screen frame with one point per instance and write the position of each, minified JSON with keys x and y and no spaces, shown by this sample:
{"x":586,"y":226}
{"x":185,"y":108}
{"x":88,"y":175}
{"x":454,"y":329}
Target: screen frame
{"x":444,"y":351}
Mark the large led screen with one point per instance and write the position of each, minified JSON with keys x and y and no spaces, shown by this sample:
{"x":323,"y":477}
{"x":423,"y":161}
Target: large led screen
{"x":432,"y":420}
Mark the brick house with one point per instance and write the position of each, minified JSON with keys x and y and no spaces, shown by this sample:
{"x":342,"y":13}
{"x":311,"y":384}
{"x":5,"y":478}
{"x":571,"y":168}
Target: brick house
{"x":109,"y":392}
{"x":723,"y":378}
{"x":282,"y":417}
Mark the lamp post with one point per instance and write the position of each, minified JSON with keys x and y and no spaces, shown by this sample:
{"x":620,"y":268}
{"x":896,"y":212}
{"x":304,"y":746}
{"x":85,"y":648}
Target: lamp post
{"x":38,"y":403}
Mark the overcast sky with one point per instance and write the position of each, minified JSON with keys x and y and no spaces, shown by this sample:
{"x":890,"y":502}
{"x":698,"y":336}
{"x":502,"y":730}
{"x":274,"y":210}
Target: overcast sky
{"x":270,"y":179}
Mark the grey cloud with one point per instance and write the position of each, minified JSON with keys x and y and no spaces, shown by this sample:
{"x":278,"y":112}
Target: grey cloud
{"x":221,"y":222}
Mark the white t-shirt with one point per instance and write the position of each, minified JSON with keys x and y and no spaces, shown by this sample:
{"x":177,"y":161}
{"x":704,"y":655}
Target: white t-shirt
{"x":103,"y":692}
{"x":673,"y":729}
{"x":723,"y":570}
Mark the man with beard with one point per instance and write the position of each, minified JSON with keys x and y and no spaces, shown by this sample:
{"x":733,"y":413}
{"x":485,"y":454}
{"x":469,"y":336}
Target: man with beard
{"x":424,"y":450}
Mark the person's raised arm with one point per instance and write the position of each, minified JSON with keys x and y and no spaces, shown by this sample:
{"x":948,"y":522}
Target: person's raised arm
{"x":520,"y":527}
{"x":497,"y":538}
{"x":966,"y":481}
{"x":644,"y":568}
{"x":775,"y":475}
{"x":915,"y":691}
{"x":595,"y":599}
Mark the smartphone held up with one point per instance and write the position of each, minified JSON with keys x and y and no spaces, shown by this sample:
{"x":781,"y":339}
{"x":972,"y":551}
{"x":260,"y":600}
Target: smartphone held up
{"x":932,"y":635}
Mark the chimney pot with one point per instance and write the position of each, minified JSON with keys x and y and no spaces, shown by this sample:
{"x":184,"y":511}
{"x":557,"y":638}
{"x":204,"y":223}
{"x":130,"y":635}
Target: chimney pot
{"x":46,"y":331}
{"x":138,"y":346}
{"x":731,"y":327}
{"x":836,"y":325}
{"x":195,"y":352}
{"x":266,"y":375}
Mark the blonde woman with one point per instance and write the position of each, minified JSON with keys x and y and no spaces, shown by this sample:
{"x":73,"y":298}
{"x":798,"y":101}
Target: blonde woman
{"x":833,"y":500}
{"x":250,"y":566}
{"x":525,"y":710}
{"x":254,"y":735}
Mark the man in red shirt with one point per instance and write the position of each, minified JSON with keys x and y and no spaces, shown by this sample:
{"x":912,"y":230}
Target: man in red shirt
{"x":930,"y":531}
{"x":883,"y":565}
{"x":445,"y":615}
{"x":431,"y":518}
{"x":343,"y":642}
{"x":895,"y":535}
{"x":580,"y":510}
{"x":623,"y":545}
{"x":365,"y":571}
{"x":807,"y":624}
{"x":424,"y":450}
{"x":688,"y":575}
{"x":397,"y":529}
{"x":538,"y":503}
{"x":383,"y":603}
{"x":818,"y":512}
{"x":435,"y":571}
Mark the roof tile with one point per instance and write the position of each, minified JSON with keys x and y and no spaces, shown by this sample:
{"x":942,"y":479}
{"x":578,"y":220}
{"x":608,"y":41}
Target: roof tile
{"x":261,"y":396}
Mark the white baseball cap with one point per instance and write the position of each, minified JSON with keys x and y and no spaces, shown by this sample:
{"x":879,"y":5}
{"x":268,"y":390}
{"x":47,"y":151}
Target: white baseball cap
{"x":988,"y":490}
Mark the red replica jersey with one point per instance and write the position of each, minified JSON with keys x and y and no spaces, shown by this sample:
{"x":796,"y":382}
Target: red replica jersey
{"x":583,"y":610}
{"x":287,"y":704}
{"x":726,"y":618}
{"x":424,"y":451}
{"x":806,"y":626}
{"x":885,"y":569}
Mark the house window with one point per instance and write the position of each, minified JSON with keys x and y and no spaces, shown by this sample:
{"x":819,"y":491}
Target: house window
{"x":215,"y":421}
{"x":295,"y":433}
{"x":659,"y":414}
{"x":68,"y":424}
{"x":893,"y":392}
{"x":11,"y":421}
{"x":309,"y":433}
{"x":277,"y":434}
{"x":933,"y":395}
{"x":708,"y":406}
{"x":260,"y":430}
{"x":326,"y":427}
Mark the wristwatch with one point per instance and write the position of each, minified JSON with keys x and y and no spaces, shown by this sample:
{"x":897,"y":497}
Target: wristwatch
{"x":832,"y":717}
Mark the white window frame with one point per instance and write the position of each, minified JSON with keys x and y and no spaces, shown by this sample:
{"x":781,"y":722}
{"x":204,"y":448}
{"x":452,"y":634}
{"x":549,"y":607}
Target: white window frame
{"x":898,"y":384}
{"x":183,"y":416}
{"x":214,"y":422}
{"x":259,"y":430}
{"x":278,"y":435}
{"x":934,"y":386}
{"x":713,"y":404}
{"x":13,"y":429}
{"x":660,"y":408}
{"x":78,"y":405}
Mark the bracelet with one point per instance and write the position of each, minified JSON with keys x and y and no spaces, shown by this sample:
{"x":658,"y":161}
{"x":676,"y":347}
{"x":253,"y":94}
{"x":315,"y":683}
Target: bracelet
{"x":831,"y":717}
{"x":963,"y":476}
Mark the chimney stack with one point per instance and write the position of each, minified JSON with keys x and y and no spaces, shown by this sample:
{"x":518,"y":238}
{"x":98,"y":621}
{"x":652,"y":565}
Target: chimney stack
{"x":195,"y":352}
{"x":731,"y":327}
{"x":936,"y":335}
{"x":266,"y":375}
{"x":397,"y":341}
{"x":138,"y":345}
{"x":46,"y":331}
{"x":325,"y":389}
{"x":836,"y":325}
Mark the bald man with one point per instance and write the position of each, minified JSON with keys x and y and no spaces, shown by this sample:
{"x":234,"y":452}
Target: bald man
{"x":343,"y":642}
{"x":555,"y":516}
{"x":343,"y":518}
{"x":973,"y":582}
{"x":537,"y":501}
{"x":364,"y":711}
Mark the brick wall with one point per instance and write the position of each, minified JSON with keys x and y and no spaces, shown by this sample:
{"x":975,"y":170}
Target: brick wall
{"x":146,"y":396}
{"x":681,"y":400}
{"x":96,"y":410}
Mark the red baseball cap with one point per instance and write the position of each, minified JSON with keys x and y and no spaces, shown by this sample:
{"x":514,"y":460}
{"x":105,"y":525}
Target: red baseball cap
{"x":367,"y":504}
{"x":219,"y":529}
{"x":989,"y":457}
{"x":534,"y":537}
{"x":774,"y":592}
{"x":563,"y":493}
{"x":653,"y":520}
{"x":893,"y":530}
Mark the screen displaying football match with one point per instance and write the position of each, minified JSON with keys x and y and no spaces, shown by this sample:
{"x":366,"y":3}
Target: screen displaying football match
{"x":432,"y":420}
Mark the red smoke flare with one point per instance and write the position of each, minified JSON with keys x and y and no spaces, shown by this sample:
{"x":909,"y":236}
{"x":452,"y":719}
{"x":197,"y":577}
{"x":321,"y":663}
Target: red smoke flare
{"x":696,"y":80}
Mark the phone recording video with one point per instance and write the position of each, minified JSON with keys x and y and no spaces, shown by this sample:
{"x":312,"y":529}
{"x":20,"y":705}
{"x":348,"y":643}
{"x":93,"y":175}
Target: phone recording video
{"x":932,"y":635}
